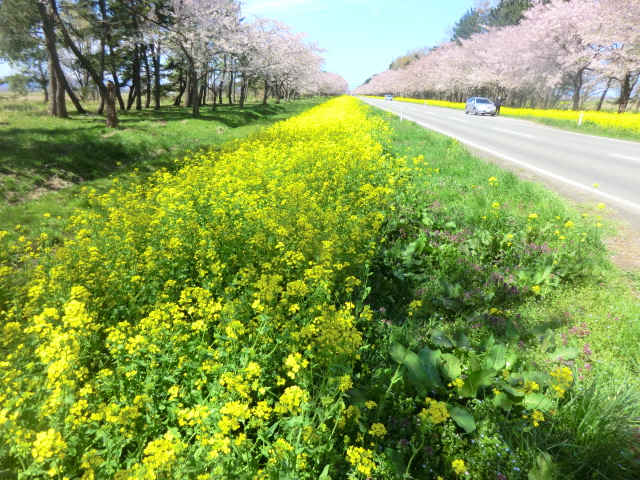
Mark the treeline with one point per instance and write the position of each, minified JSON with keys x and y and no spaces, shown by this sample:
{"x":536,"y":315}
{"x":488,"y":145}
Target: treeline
{"x":533,"y":53}
{"x":132,"y":53}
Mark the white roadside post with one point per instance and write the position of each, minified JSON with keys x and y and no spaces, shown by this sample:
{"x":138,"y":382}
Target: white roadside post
{"x":400,"y":113}
{"x":580,"y":119}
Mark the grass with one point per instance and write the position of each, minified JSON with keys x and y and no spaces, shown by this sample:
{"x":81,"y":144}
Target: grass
{"x":45,"y":161}
{"x":592,"y":307}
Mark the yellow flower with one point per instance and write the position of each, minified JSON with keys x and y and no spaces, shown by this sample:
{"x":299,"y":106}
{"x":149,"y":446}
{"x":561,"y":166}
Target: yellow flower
{"x":345,"y":383}
{"x":537,"y":417}
{"x":49,"y":444}
{"x":361,"y":459}
{"x":378,"y":430}
{"x":436,"y":412}
{"x":536,"y":289}
{"x":370,"y":404}
{"x":458,"y":466}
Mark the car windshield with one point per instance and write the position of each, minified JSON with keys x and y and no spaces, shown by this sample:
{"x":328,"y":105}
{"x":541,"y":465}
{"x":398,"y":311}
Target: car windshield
{"x":483,"y":100}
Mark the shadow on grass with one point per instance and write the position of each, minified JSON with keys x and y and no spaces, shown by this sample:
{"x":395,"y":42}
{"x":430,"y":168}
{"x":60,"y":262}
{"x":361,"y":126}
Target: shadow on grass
{"x":36,"y":149}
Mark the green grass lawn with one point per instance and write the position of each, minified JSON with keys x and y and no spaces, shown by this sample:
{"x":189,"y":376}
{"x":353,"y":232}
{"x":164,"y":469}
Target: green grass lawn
{"x":46,"y":161}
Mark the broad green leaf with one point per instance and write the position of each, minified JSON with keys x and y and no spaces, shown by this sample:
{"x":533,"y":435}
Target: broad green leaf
{"x":418,"y":376}
{"x":495,"y":358}
{"x":325,"y":473}
{"x":544,"y":468}
{"x":542,"y":379}
{"x":461,"y":340}
{"x":565,"y":353}
{"x":548,"y":341}
{"x":502,"y":400}
{"x":397,"y":460}
{"x":475,"y":380}
{"x":463,"y":418}
{"x":430,"y":360}
{"x":450,"y":366}
{"x":441,"y":339}
{"x":537,"y":401}
{"x":513,"y":391}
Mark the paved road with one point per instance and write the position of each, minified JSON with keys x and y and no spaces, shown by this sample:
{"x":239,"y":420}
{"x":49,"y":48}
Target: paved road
{"x":571,"y":163}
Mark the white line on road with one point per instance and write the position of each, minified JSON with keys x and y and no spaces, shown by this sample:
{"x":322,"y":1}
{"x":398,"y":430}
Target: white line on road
{"x":459,"y":119}
{"x":624,"y":156}
{"x":595,"y":191}
{"x":515,"y":133}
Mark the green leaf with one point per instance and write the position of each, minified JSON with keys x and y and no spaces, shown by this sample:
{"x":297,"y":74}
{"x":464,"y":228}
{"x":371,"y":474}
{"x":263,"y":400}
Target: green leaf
{"x":441,"y":339}
{"x":410,"y":360}
{"x":397,"y":460}
{"x":513,"y":391}
{"x":463,"y":418}
{"x":461,"y":340}
{"x":496,"y":358}
{"x":548,"y":341}
{"x":430,"y":360}
{"x":537,"y":401}
{"x":475,"y":380}
{"x":450,"y":366}
{"x":325,"y":473}
{"x":543,"y":470}
{"x":566,"y":353}
{"x":501,"y":400}
{"x":542,"y":379}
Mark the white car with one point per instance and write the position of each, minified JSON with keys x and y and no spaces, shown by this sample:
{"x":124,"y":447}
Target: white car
{"x":480,"y":106}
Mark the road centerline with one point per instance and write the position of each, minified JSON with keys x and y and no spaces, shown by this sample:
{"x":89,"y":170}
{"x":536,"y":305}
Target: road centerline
{"x":514,"y":133}
{"x":624,"y":156}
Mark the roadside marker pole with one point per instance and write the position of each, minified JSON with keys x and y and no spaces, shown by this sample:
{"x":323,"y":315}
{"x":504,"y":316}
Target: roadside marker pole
{"x":400,"y":113}
{"x":580,"y":119}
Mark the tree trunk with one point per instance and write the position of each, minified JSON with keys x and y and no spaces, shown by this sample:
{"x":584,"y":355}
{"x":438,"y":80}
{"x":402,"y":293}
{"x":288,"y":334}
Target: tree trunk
{"x":57,"y":107}
{"x":183,"y":87}
{"x":73,"y":97}
{"x":147,"y":73}
{"x":626,"y":88}
{"x":155,"y":58}
{"x":243,"y":91}
{"x":603,"y":96}
{"x":577,"y":87}
{"x":112,"y":120}
{"x":53,"y":84}
{"x":266,"y":92}
{"x":135,"y":94}
{"x":110,"y":102}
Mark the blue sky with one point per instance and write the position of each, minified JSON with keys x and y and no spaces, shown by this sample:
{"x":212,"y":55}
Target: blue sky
{"x":364,"y":36}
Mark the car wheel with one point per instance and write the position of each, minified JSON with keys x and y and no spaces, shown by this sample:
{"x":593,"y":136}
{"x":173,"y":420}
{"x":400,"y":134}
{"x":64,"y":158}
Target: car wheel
{"x":466,"y":112}
{"x":475,"y":112}
{"x":493,"y":114}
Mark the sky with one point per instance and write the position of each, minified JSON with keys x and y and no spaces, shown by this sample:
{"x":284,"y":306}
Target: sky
{"x":363,"y":37}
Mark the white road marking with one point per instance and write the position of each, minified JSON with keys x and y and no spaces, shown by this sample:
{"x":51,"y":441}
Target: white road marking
{"x":514,"y":133}
{"x":625,"y":157}
{"x":573,"y":183}
{"x":459,"y":119}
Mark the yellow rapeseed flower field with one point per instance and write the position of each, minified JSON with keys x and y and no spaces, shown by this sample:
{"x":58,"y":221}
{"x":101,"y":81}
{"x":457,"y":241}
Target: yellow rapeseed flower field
{"x":201,"y":325}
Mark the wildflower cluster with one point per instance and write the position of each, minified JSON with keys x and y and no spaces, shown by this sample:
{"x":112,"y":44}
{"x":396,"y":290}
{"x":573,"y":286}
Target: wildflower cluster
{"x":203,"y":324}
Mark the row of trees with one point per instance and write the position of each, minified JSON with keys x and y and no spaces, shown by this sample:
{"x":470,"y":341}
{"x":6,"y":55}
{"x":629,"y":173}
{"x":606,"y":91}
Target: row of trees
{"x":198,"y":49}
{"x":534,"y":54}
